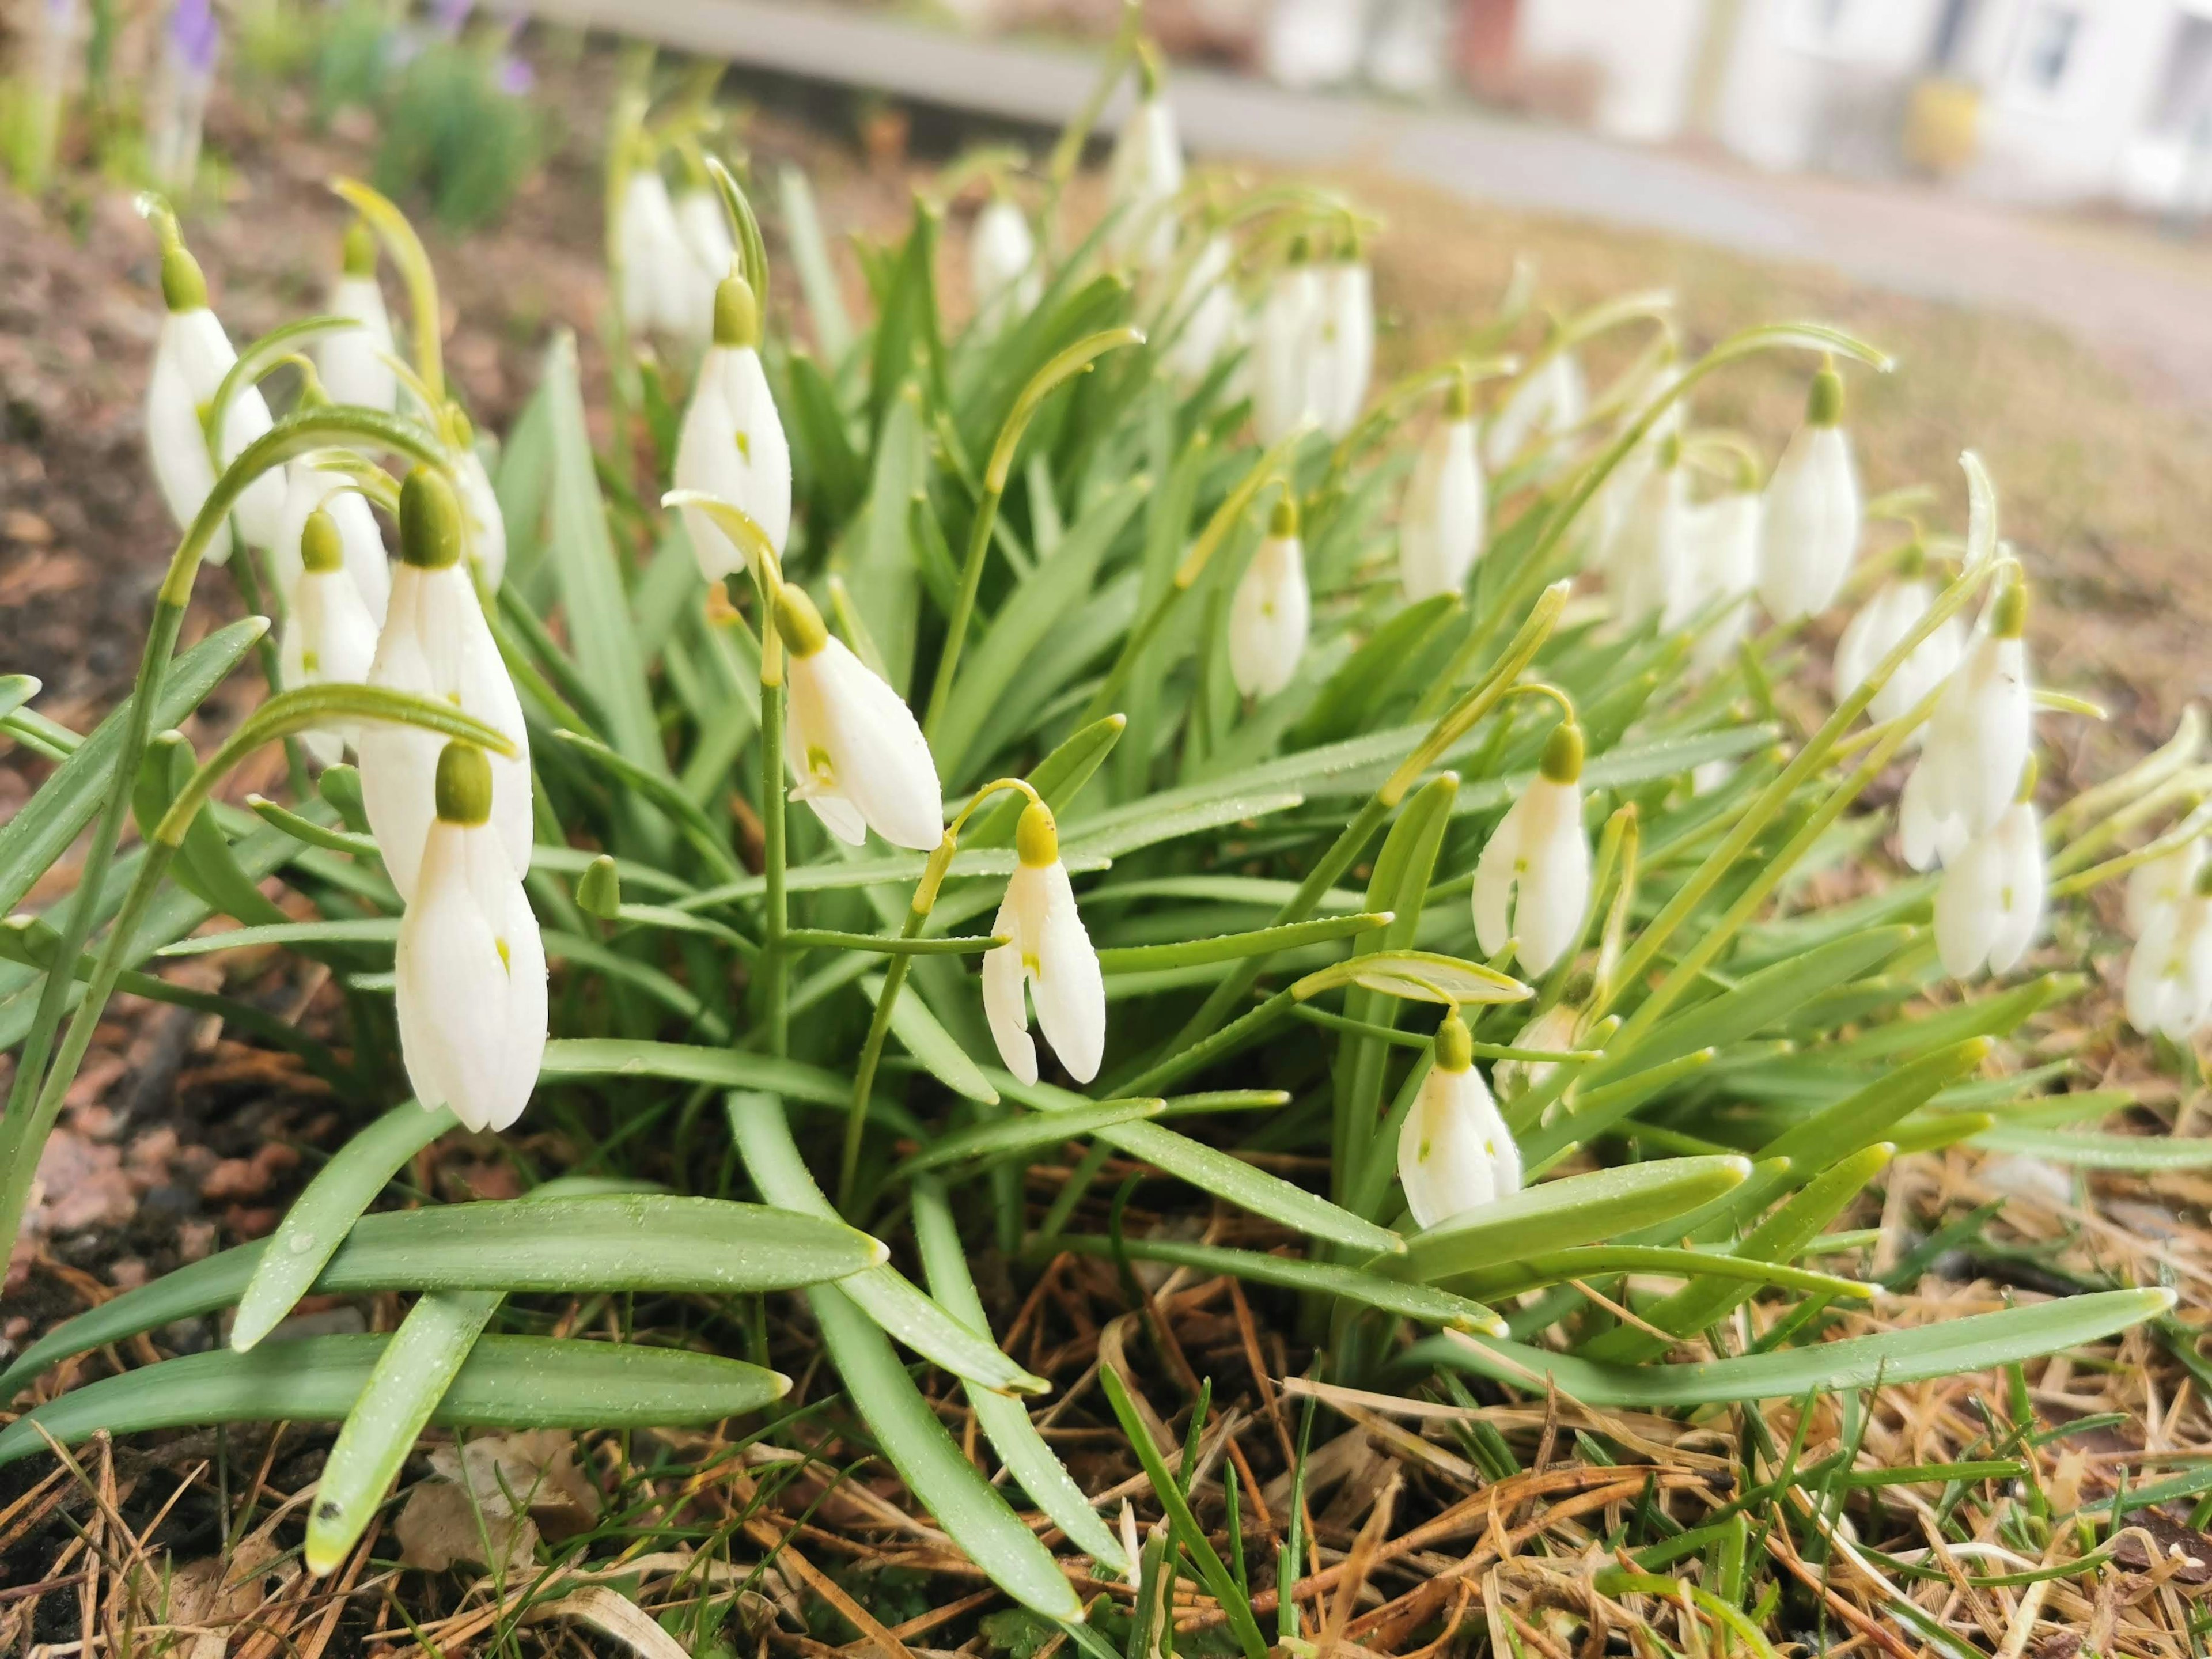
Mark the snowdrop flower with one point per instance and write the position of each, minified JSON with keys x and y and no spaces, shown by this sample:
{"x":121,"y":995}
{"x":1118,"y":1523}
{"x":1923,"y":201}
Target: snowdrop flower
{"x":470,"y":968}
{"x":1344,"y":349}
{"x":1811,"y":532}
{"x":704,"y":231}
{"x":1002,"y":264}
{"x":853,"y":745}
{"x":1616,"y":497}
{"x":1455,"y":1152}
{"x":1880,"y":627}
{"x":1651,"y":552}
{"x":1270,"y":612}
{"x":1215,"y":323}
{"x":1049,"y":952}
{"x":1720,"y":546}
{"x":436,"y":644}
{"x":1990,"y":907}
{"x":731,"y":446}
{"x":1549,"y":402}
{"x":311,"y":489}
{"x":330,"y":638}
{"x":1285,"y":385}
{"x":2169,"y":986}
{"x":1440,"y":527}
{"x":190,"y":360}
{"x":1144,"y":176}
{"x":480,"y":515}
{"x":352,"y":363}
{"x":656,"y":263}
{"x":1554,"y":1029}
{"x":2162,"y":883}
{"x":1539,"y":848}
{"x":1977,"y":742}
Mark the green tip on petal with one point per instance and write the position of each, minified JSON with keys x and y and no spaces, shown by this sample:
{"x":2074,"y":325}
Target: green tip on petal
{"x":1454,"y":1047}
{"x":1913,"y":561}
{"x":799,"y":622}
{"x":1824,"y":405}
{"x":737,"y":313}
{"x":598,"y":890}
{"x":1670,"y":452}
{"x":359,"y":251}
{"x":429,"y":520}
{"x":1036,"y":837}
{"x":1563,"y":753}
{"x":464,"y":788}
{"x":2010,"y":620}
{"x":1283,"y":522}
{"x":184,"y":288}
{"x":1301,"y":249}
{"x":1148,"y":69}
{"x":1459,"y":402}
{"x":2204,"y":882}
{"x":320,"y":546}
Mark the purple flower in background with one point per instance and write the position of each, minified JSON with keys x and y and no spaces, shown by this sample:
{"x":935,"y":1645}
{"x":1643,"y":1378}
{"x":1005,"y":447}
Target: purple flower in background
{"x":193,"y":35}
{"x":450,"y":14}
{"x":515,"y":78}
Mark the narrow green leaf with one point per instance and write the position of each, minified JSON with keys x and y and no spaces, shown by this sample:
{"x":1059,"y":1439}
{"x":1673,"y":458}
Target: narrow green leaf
{"x":1228,"y":947}
{"x":923,"y":1036}
{"x":355,"y":930}
{"x":2086,"y":1149}
{"x":1418,"y":976}
{"x":1026,"y":1134}
{"x":810,"y":255}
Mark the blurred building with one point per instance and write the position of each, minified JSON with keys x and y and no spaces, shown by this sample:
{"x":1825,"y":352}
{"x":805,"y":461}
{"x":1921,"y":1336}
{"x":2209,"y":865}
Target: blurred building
{"x":2048,"y":101}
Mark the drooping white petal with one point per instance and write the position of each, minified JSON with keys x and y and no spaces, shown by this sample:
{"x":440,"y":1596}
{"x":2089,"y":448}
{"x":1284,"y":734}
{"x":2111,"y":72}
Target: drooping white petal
{"x":704,"y":231}
{"x":854,"y":737}
{"x":1881,"y":625}
{"x":352,"y":362}
{"x":308,"y":487}
{"x":1282,"y":366}
{"x":1550,"y":400}
{"x":1215,"y":323}
{"x":1005,"y":988}
{"x":1441,"y":526}
{"x":480,"y":515}
{"x":731,"y":446}
{"x":1269,"y":616}
{"x":1989,"y":908}
{"x":175,"y":445}
{"x":2019,"y":838}
{"x":1721,"y":565}
{"x":328,"y":638}
{"x":1002,"y":264}
{"x":656,"y":264}
{"x":2169,"y":979}
{"x":1455,"y":1152}
{"x":1496,"y":873}
{"x":1553,"y":867}
{"x":2161,"y":884}
{"x":1979,"y":734}
{"x":1346,"y":362}
{"x":1650,"y":553}
{"x":1066,"y":983}
{"x":190,"y":361}
{"x":1928,"y":834}
{"x":1811,"y":530}
{"x":1142,"y":179}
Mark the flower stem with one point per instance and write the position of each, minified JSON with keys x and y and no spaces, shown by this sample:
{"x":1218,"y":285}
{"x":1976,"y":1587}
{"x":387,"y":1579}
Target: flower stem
{"x":964,"y":609}
{"x":775,"y":920}
{"x":864,"y":1075}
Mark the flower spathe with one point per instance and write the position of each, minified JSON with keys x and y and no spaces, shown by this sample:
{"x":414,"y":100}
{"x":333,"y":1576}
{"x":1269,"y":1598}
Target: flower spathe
{"x":2169,"y":982}
{"x":855,"y":750}
{"x":1532,"y":882}
{"x":1047,"y":958}
{"x":1989,"y":908}
{"x":1270,"y":611}
{"x":1881,"y":625}
{"x":436,"y":644}
{"x":1454,"y":1152}
{"x":469,"y":973}
{"x":1440,"y":524}
{"x":190,"y":360}
{"x":1970,"y":765}
{"x":1002,"y":264}
{"x":330,"y":637}
{"x":1810,"y":533}
{"x":354,"y":363}
{"x":731,"y":446}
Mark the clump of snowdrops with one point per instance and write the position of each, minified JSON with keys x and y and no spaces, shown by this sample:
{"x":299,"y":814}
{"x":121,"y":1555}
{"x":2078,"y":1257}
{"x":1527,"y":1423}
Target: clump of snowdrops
{"x":940,"y":753}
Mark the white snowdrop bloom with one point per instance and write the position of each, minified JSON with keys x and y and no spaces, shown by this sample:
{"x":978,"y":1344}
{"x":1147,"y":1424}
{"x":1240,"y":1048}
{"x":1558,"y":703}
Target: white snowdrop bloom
{"x":656,"y":263}
{"x":1270,"y":613}
{"x":1650,"y":555}
{"x":330,"y":638}
{"x":1003,"y":272}
{"x":2162,"y":883}
{"x":853,"y":746}
{"x":470,"y":968}
{"x":1145,"y":175}
{"x":1970,"y":765}
{"x":1883,"y":622}
{"x":1441,"y":525}
{"x":1532,"y":882}
{"x":1048,"y":953}
{"x":731,"y":445}
{"x":1616,"y":497}
{"x":190,"y":360}
{"x":1720,"y":566}
{"x":1455,"y":1152}
{"x":1214,"y":321}
{"x":704,"y":229}
{"x":436,"y":644}
{"x":1811,"y":531}
{"x":309,"y":489}
{"x":481,"y":519}
{"x":1284,"y":382}
{"x":2169,"y":984}
{"x":1343,"y":360}
{"x":1549,"y":401}
{"x":1552,"y":1030}
{"x":1989,"y":906}
{"x":354,"y":362}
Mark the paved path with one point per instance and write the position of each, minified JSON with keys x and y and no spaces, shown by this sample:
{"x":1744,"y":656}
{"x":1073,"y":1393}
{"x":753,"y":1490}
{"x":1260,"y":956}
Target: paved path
{"x":2145,"y":301}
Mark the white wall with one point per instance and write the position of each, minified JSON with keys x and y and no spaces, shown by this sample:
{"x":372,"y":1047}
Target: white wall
{"x":2068,"y":141}
{"x":1801,"y":70}
{"x":1644,"y":52}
